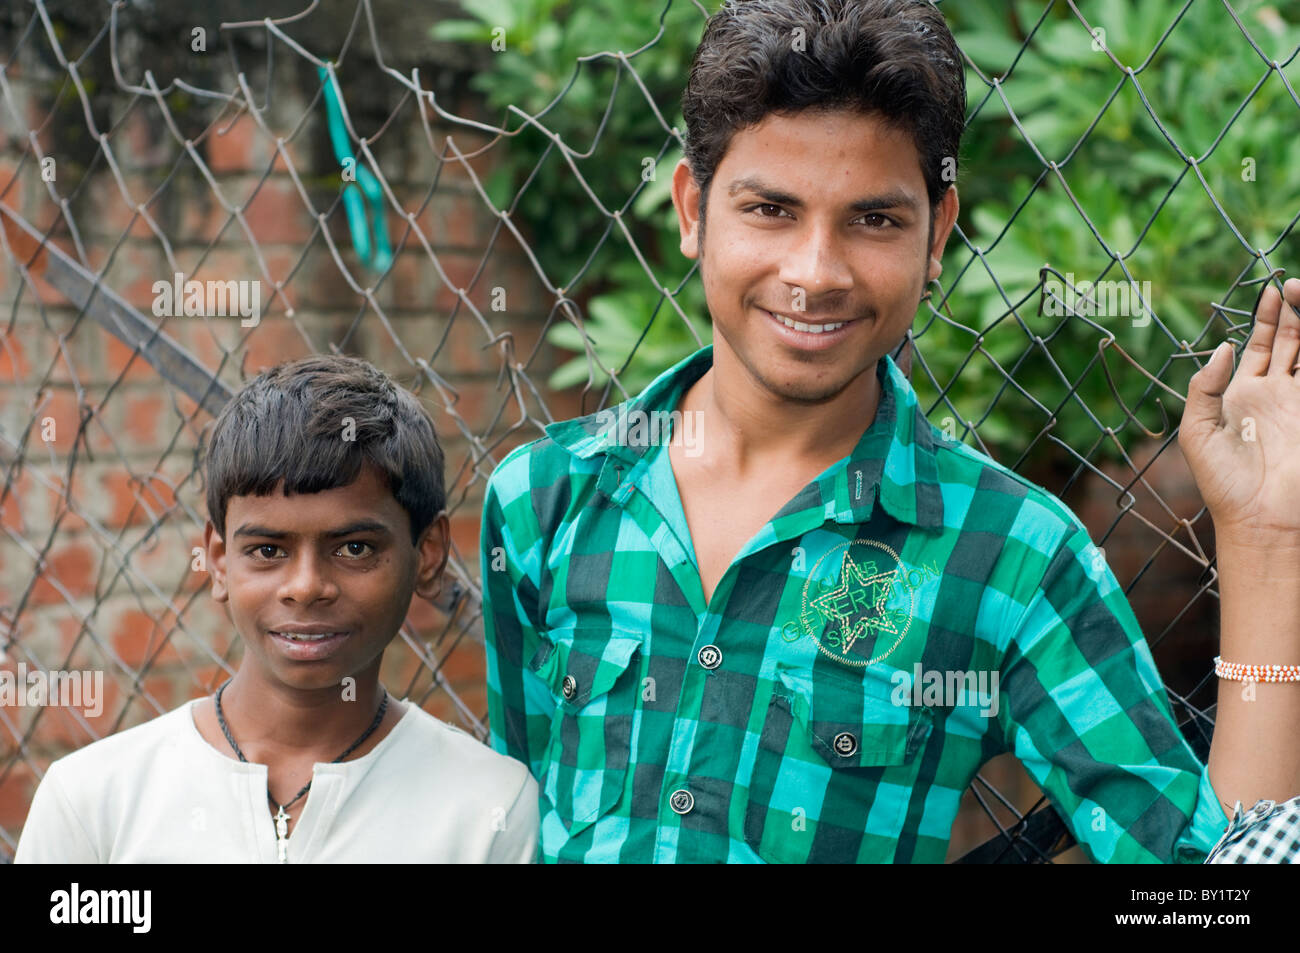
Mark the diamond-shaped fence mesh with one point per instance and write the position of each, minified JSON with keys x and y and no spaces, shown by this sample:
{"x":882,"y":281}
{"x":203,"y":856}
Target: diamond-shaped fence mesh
{"x":474,"y":197}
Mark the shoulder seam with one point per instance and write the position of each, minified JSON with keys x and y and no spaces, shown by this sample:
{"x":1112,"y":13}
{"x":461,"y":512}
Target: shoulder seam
{"x":1039,"y":493}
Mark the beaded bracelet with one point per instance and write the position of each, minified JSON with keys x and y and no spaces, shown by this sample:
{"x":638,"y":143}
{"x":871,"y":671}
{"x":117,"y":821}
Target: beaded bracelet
{"x":1238,"y":672}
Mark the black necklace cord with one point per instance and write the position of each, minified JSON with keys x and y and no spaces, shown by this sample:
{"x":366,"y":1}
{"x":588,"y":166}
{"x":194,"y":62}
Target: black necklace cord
{"x":225,"y":730}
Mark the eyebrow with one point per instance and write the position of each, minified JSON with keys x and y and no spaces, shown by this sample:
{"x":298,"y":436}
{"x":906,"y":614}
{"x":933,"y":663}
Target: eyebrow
{"x":360,"y":526}
{"x":871,"y":203}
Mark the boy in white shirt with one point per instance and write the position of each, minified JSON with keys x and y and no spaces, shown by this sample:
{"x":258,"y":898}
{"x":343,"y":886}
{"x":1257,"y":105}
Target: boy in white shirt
{"x":325,"y":496}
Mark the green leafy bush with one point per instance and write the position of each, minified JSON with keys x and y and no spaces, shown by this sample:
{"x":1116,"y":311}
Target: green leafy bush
{"x":597,"y":108}
{"x":1118,"y":166}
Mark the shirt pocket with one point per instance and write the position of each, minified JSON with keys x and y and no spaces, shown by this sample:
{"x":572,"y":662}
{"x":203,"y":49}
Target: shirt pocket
{"x":836,"y":764}
{"x":591,"y":673}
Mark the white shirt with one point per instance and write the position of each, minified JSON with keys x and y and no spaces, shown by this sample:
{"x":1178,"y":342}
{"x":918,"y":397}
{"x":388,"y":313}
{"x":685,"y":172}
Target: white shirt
{"x":160,"y":793}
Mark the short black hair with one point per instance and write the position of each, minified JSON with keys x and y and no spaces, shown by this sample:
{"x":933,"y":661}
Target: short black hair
{"x":314,"y":423}
{"x":892,"y":58}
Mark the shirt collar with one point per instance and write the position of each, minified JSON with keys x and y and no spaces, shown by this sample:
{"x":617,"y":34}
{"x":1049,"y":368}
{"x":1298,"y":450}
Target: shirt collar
{"x":894,"y":461}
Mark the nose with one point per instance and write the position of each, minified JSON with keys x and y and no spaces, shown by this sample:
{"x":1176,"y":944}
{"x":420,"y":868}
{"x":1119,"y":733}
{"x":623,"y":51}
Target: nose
{"x":816,"y":263}
{"x":306,"y":580}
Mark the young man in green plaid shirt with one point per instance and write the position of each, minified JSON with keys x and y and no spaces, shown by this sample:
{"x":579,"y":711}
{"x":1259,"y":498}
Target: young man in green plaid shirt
{"x":795,"y":630}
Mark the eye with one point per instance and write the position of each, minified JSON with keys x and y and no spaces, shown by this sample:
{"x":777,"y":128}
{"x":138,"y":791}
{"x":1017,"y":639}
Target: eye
{"x":261,"y":553}
{"x":754,"y":208}
{"x":357,"y":549}
{"x":884,"y":220}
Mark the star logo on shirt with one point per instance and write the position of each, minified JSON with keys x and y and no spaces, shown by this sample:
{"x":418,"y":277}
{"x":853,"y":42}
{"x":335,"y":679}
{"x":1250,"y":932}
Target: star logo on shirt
{"x":857,"y":604}
{"x":855,"y":601}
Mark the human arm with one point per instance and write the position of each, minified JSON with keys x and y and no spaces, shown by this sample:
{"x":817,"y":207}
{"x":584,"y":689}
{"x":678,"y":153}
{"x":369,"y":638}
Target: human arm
{"x":520,"y":705}
{"x":1085,"y":711}
{"x":53,"y":833}
{"x":516,"y":842}
{"x":1241,"y":436}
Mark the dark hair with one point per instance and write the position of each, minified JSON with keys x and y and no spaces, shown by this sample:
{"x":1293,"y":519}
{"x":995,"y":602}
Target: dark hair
{"x":313,"y":423}
{"x":893,"y":58}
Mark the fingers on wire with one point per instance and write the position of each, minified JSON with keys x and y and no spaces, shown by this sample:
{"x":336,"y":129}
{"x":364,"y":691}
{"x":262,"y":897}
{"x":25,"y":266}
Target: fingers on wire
{"x":1286,"y":340}
{"x":1259,"y":349}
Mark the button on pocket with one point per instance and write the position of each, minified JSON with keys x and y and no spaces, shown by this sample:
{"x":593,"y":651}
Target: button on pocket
{"x":591,"y":674}
{"x":836,"y":761}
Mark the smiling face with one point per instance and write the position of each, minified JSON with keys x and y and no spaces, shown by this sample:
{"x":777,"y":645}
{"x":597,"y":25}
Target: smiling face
{"x":818,"y":248}
{"x":319,"y":583}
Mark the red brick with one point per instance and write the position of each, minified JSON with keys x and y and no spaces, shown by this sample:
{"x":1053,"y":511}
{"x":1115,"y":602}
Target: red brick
{"x":35,"y":288}
{"x":321,"y":284}
{"x":467,"y":348}
{"x":9,"y":187}
{"x":206,"y":679}
{"x":567,"y":404}
{"x":13,"y":504}
{"x":441,"y":706}
{"x":17,"y":786}
{"x":136,"y":267}
{"x":463,"y":665}
{"x":147,"y":419}
{"x":105,"y":723}
{"x":198,"y":337}
{"x":464,"y":533}
{"x":411,"y":282}
{"x":62,"y":407}
{"x":527,"y":344}
{"x":114,"y":212}
{"x":455,"y":172}
{"x":227,"y":264}
{"x":238,"y":146}
{"x":460,"y":270}
{"x":523,"y":278}
{"x":13,"y":356}
{"x":272,"y":342}
{"x":142,"y":141}
{"x":133,"y":498}
{"x":163,"y":689}
{"x":297,"y":155}
{"x":204,"y":219}
{"x":280,"y":264}
{"x":452,"y":220}
{"x":124,"y":363}
{"x":423,"y":616}
{"x":276,"y":214}
{"x":74,"y":564}
{"x":474,"y":697}
{"x":140,"y":638}
{"x":476,"y":403}
{"x":169,"y":564}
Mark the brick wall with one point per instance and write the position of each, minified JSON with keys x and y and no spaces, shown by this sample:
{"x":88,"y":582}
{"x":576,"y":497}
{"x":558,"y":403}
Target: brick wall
{"x":98,"y":522}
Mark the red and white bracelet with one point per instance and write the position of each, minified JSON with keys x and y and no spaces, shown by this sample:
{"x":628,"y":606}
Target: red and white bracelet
{"x":1238,"y":672}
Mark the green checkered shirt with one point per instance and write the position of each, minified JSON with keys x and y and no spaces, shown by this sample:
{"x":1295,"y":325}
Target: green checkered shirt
{"x":912,"y":612}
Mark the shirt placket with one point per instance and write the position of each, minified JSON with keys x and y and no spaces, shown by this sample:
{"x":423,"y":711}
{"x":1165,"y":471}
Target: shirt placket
{"x":704,"y":654}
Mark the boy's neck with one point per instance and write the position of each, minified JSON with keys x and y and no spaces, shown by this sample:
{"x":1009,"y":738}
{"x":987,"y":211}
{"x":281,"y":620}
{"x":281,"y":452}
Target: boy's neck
{"x":270,"y":721}
{"x":748,"y":426}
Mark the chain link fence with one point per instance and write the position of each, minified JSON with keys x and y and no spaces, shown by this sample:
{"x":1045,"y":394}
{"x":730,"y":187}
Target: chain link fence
{"x":337,"y":164}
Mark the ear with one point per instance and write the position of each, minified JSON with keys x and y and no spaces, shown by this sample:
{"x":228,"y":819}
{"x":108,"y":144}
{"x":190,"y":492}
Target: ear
{"x":216,"y":556}
{"x":432,"y":548}
{"x":686,"y":200}
{"x":945,"y":217}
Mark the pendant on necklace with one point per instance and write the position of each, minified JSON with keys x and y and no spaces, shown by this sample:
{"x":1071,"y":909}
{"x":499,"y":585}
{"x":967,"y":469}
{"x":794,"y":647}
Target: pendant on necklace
{"x":282,"y":834}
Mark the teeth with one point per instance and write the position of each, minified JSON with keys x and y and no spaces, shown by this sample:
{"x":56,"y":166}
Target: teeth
{"x":811,"y":328}
{"x":297,"y":637}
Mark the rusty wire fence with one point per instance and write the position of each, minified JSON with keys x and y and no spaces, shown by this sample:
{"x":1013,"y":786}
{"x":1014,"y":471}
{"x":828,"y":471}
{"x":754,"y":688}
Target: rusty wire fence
{"x":120,"y":167}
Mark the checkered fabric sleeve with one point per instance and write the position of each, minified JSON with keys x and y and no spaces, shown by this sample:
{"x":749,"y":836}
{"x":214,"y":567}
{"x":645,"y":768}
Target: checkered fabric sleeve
{"x":520,"y":707}
{"x":1269,"y":833}
{"x":1088,"y":716}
